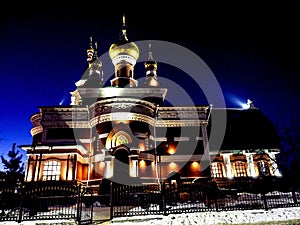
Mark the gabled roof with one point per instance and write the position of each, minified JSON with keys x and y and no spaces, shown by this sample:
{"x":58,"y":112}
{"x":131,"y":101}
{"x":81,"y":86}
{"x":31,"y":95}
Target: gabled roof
{"x":247,"y":130}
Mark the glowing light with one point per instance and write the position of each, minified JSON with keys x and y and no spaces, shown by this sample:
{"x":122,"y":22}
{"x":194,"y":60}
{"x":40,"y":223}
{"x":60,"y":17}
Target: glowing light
{"x":171,"y":151}
{"x":172,"y":165}
{"x":237,"y":101}
{"x":62,"y":101}
{"x":195,"y":165}
{"x":245,"y":106}
{"x":142,"y":146}
{"x":142,"y":163}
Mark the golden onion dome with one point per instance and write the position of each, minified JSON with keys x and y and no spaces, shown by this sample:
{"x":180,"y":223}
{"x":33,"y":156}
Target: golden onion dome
{"x":124,"y":48}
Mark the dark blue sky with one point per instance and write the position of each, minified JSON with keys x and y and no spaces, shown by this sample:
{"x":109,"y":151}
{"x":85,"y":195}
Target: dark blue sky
{"x":252,"y":48}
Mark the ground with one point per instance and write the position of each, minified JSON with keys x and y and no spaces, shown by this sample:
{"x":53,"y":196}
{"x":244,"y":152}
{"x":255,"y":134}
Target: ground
{"x":277,"y":216}
{"x":273,"y":216}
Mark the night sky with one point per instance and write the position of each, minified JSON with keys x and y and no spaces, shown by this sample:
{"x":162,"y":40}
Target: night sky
{"x":252,"y":48}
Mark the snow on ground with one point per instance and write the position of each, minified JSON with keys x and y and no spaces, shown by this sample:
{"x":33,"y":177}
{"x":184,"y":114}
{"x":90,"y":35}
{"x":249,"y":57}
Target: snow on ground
{"x":289,"y":215}
{"x":212,"y":218}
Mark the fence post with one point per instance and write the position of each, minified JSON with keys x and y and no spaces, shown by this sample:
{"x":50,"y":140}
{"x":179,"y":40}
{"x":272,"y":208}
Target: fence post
{"x":215,"y":193}
{"x":21,"y":191}
{"x":294,"y":195}
{"x":265,"y":201}
{"x":79,"y":204}
{"x":216,"y":201}
{"x":162,"y":205}
{"x":111,"y":191}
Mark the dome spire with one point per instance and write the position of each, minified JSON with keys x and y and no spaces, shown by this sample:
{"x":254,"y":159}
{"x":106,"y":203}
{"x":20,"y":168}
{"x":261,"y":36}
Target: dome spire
{"x":150,"y":57}
{"x":96,"y":51}
{"x":123,"y":35}
{"x":90,"y":51}
{"x":124,"y":23}
{"x":151,"y":67}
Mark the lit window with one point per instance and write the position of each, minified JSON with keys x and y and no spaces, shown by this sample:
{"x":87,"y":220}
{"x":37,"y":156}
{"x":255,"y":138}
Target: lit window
{"x":121,"y":140}
{"x":263,"y":168}
{"x":216,"y":169}
{"x":51,"y":170}
{"x":239,"y":169}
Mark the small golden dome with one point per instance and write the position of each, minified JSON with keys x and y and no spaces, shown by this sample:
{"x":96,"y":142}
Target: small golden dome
{"x":150,"y":65}
{"x":124,"y":48}
{"x":90,"y":50}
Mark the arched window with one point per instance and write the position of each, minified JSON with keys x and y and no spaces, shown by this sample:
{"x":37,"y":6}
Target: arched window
{"x":216,"y":170}
{"x":121,"y":140}
{"x":239,"y":169}
{"x":263,"y":168}
{"x":51,"y":170}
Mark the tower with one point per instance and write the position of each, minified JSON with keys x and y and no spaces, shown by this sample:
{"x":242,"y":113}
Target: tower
{"x":92,"y":76}
{"x":95,"y":71}
{"x":124,"y":55}
{"x":151,"y":68}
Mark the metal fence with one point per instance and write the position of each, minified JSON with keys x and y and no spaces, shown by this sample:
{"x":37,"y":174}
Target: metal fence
{"x":46,"y":201}
{"x":203,"y":196}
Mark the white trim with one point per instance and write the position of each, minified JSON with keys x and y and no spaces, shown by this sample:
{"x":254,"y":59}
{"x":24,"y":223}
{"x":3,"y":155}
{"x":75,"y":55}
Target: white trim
{"x":46,"y":147}
{"x":161,"y":139}
{"x":126,"y":58}
{"x":104,"y":135}
{"x":79,"y":157}
{"x":181,"y":138}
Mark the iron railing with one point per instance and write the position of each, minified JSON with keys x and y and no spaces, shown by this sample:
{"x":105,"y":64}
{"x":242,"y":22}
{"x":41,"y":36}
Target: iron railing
{"x":46,"y":201}
{"x":36,"y":201}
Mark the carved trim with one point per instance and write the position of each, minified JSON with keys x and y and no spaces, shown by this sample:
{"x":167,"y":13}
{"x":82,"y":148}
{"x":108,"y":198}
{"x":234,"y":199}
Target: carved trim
{"x":183,"y":112}
{"x":67,"y":124}
{"x":138,"y":93}
{"x":36,"y":119}
{"x":62,"y":109}
{"x":36,"y":130}
{"x":132,"y":101}
{"x":121,"y":116}
{"x":180,"y":123}
{"x":127,"y":104}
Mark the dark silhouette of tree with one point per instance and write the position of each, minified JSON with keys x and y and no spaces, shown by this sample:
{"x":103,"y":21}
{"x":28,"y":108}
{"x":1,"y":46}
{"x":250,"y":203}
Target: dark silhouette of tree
{"x":289,"y":157}
{"x":13,"y":166}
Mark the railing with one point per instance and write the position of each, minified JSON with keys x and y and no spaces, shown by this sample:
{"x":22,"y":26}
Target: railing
{"x":46,"y":201}
{"x":204,"y":196}
{"x":36,"y":201}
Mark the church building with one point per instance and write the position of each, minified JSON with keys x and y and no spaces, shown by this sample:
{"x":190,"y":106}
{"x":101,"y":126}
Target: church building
{"x":126,"y":133}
